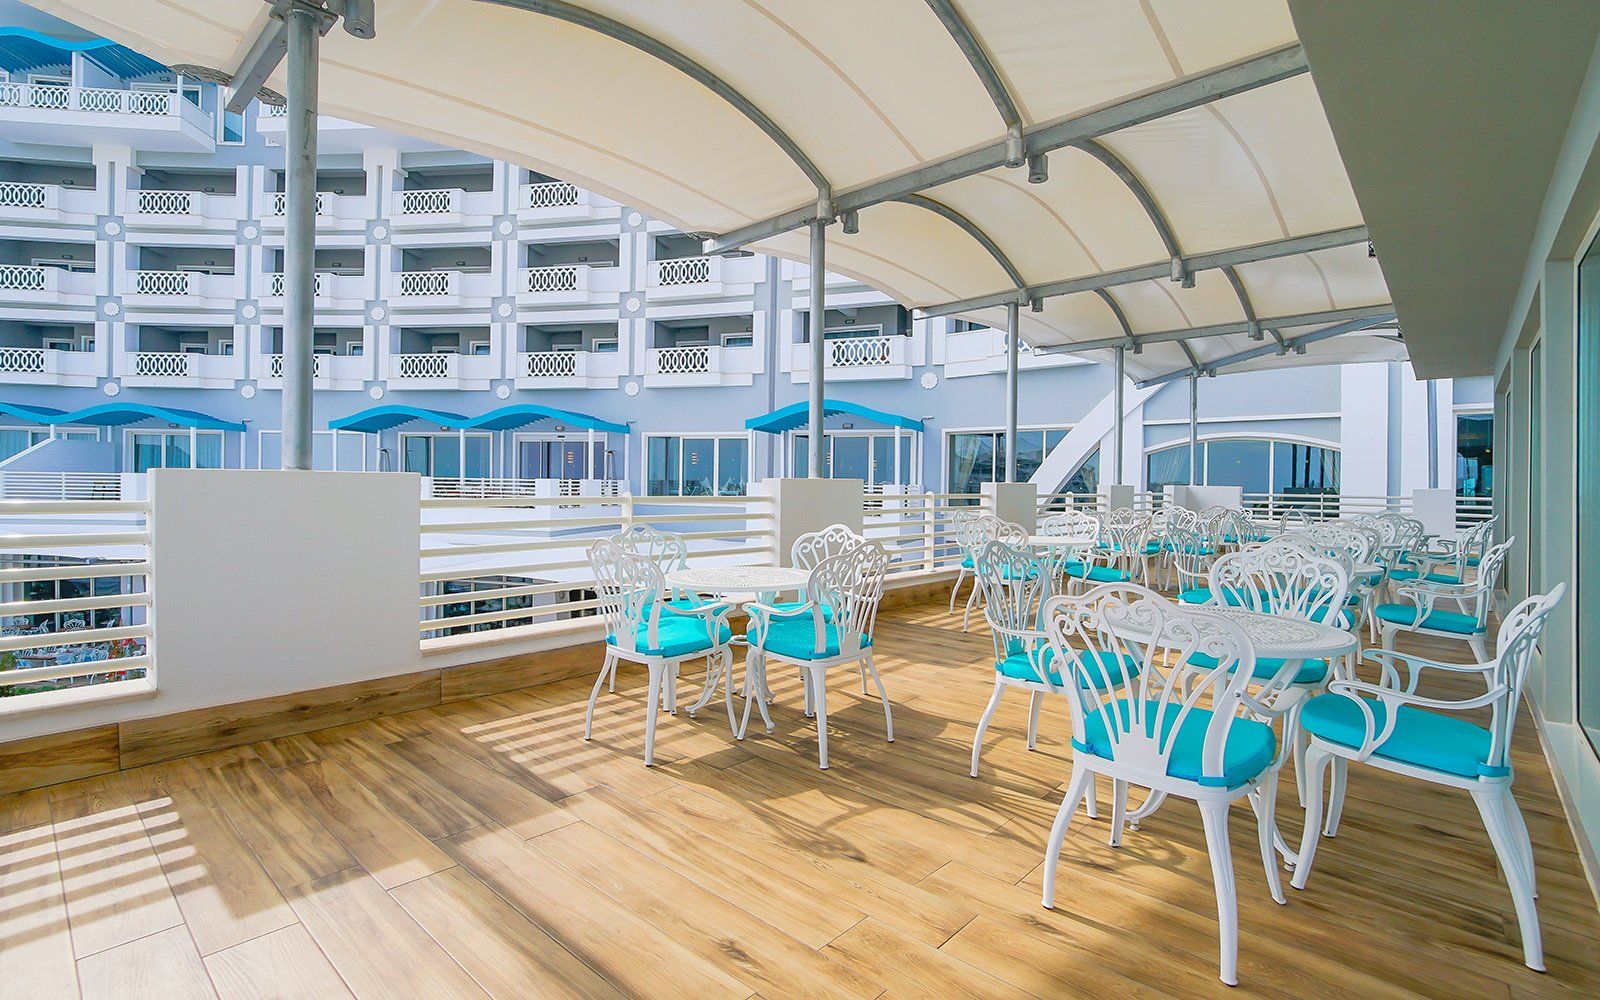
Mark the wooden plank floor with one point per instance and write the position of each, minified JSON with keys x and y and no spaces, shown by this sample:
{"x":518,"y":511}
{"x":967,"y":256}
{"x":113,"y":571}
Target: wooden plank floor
{"x":482,"y":848}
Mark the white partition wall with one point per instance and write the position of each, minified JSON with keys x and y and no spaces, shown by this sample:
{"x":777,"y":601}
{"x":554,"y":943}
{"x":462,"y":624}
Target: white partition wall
{"x":1437,"y":510}
{"x":804,"y":505}
{"x":1014,"y":502}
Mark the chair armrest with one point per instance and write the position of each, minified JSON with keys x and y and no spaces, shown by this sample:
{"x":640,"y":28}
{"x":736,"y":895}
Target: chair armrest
{"x":1393,"y":700}
{"x":712,"y":610}
{"x":1414,"y":664}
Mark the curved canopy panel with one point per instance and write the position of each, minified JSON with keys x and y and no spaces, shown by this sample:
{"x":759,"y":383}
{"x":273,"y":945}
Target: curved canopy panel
{"x":32,"y":414}
{"x":23,"y":49}
{"x":522,"y":414}
{"x":793,"y":417}
{"x":116,"y":414}
{"x":381,"y":418}
{"x":1153,"y":142}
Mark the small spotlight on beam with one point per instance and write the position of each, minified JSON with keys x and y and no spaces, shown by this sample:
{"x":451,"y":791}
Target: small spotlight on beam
{"x":851,"y":220}
{"x":1038,"y":168}
{"x":1036,"y":305}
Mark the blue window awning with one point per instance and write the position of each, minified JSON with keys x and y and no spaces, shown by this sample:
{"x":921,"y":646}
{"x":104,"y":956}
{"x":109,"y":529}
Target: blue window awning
{"x":381,"y":418}
{"x":116,"y":414}
{"x":32,"y":414}
{"x":796,"y":415}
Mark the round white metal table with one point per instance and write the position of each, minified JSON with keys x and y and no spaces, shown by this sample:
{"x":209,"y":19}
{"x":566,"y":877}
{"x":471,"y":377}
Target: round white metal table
{"x":1061,"y":541}
{"x":740,"y":585}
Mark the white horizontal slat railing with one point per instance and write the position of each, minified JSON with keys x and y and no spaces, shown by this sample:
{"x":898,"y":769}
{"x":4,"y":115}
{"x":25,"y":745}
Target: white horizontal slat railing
{"x":74,"y":598}
{"x":918,"y":529}
{"x":507,"y":562}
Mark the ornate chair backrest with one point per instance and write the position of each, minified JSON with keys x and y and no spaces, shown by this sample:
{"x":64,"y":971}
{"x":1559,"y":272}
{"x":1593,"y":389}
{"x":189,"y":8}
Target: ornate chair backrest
{"x":1406,"y":533}
{"x":1192,"y":553}
{"x":1293,"y":518}
{"x":849,"y":584}
{"x":973,"y":530}
{"x":1471,"y":544}
{"x":1009,"y":532}
{"x":1519,"y":637}
{"x":1071,"y":523}
{"x":1489,"y":566}
{"x":665,"y":549}
{"x":1119,"y":516}
{"x":811,"y":548}
{"x":1158,"y":639}
{"x":1357,"y":543}
{"x":628,"y":587}
{"x":1126,"y":538}
{"x":1388,"y":530}
{"x":1015,"y":587}
{"x":1282,"y":578}
{"x":1230,"y":527}
{"x":1320,"y":545}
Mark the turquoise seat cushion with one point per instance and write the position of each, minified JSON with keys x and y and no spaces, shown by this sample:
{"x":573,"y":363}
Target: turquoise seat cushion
{"x":1202,"y":595}
{"x":1403,"y":575}
{"x":1439,"y":621}
{"x":1114,"y":672}
{"x":676,"y":636}
{"x":966,"y":563}
{"x":1249,"y":750}
{"x":796,"y":639}
{"x":827,"y":612}
{"x":1152,"y":548}
{"x":1434,"y":740}
{"x":1267,"y":667}
{"x":1096,"y":574}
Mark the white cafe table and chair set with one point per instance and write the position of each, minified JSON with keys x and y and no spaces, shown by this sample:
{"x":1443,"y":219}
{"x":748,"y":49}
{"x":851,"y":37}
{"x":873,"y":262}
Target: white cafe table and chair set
{"x":1260,"y":663}
{"x":657,"y":613}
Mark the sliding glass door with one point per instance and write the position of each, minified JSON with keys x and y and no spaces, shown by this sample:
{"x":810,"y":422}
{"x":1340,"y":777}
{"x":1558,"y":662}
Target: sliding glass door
{"x":1587,"y":542}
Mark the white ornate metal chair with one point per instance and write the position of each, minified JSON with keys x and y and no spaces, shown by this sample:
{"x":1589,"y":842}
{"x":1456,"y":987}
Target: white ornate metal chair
{"x":1070,"y":524}
{"x":811,"y":548}
{"x":642,"y":627}
{"x":1192,"y":551}
{"x":668,"y":551}
{"x":961,"y":528}
{"x":1389,"y":726}
{"x":982,"y":529}
{"x":1123,"y":554}
{"x":1416,"y":607}
{"x":1015,"y":593}
{"x":1203,"y":741}
{"x":1351,"y":547}
{"x":1449,"y":562}
{"x":1293,"y":518}
{"x":848,"y":585}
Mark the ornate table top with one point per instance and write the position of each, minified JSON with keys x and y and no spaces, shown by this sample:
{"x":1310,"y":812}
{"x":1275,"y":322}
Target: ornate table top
{"x":738,"y":580}
{"x":1055,"y":541}
{"x":1282,"y":637}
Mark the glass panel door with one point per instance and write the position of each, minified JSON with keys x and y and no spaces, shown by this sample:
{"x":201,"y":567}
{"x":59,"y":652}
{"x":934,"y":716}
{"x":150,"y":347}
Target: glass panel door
{"x":1587,"y":585}
{"x":699,"y":474}
{"x":850,"y":458}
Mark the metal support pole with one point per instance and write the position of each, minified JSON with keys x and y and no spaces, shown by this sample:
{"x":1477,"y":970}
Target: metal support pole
{"x":895,"y":476}
{"x":588,"y":459}
{"x":1012,"y":348}
{"x":300,"y":220}
{"x":1194,"y":428}
{"x":1116,"y":402}
{"x":819,"y":306}
{"x":194,"y":448}
{"x":461,"y":468}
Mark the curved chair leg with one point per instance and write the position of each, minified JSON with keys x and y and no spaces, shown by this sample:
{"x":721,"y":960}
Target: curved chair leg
{"x":956,"y":590}
{"x":966,"y":616}
{"x":1301,"y":740}
{"x":1340,"y":777}
{"x":883,"y":696}
{"x":1035,"y":702}
{"x":1151,"y":803}
{"x":652,"y":706}
{"x":1519,"y":828}
{"x":1265,"y":802}
{"x":1493,"y":803}
{"x":983,"y":723}
{"x":671,"y":705}
{"x":863,"y":677}
{"x":614,"y":675}
{"x":1081,"y":781}
{"x":1388,"y":637}
{"x":608,"y":667}
{"x":1480,"y":648}
{"x":1119,"y":810}
{"x":1091,"y":802}
{"x":805,"y":686}
{"x":1316,"y":760}
{"x":819,"y":701}
{"x":1215,"y":817}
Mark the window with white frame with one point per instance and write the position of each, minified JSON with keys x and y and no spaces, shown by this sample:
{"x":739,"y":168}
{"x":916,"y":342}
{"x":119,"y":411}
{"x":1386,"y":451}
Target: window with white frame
{"x":14,"y":440}
{"x":697,"y":465}
{"x":230,"y":124}
{"x":973,"y":458}
{"x":441,"y":455}
{"x":865,"y":455}
{"x":173,"y":450}
{"x":1255,"y":464}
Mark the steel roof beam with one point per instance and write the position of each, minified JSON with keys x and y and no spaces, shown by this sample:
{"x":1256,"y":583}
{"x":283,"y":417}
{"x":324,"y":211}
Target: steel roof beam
{"x":1125,"y":173}
{"x":982,"y":65}
{"x":1225,"y":329}
{"x":1180,"y":95}
{"x":1249,"y":309}
{"x":972,"y":229}
{"x":1161,"y":269}
{"x":573,"y":14}
{"x":1336,"y":330}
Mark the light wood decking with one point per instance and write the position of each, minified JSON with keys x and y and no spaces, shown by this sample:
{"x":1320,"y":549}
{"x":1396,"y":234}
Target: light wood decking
{"x":482,"y":847}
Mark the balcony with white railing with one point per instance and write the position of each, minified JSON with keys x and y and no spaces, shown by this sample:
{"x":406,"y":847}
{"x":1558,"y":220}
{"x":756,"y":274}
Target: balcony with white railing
{"x":160,"y":208}
{"x":568,"y":370}
{"x":23,"y":201}
{"x":558,"y":201}
{"x":692,"y":365}
{"x":181,"y":289}
{"x":37,"y":285}
{"x":569,"y":284}
{"x":328,"y":371}
{"x":850,"y":359}
{"x":154,"y":120}
{"x":441,"y":371}
{"x":50,"y":366}
{"x":180,"y":369}
{"x":440,"y":207}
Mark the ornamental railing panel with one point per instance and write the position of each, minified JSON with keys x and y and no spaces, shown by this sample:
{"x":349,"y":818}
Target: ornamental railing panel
{"x":278,"y":285}
{"x":550,"y":364}
{"x":22,"y":360}
{"x":425,"y":365}
{"x":433,"y":201}
{"x":17,"y":194}
{"x":163,"y":364}
{"x":163,"y":282}
{"x":552,"y":194}
{"x":166,"y":202}
{"x":559,"y":278}
{"x":24,"y":278}
{"x":278,"y":203}
{"x":857,"y":352}
{"x":275,"y":366}
{"x":429,"y":282}
{"x":682,"y":271}
{"x":695,"y":360}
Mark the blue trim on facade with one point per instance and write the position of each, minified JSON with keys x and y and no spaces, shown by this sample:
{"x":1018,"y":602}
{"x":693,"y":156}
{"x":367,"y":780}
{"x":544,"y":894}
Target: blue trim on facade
{"x":24,"y":49}
{"x":797,"y":415}
{"x":116,"y":414}
{"x":382,"y":418}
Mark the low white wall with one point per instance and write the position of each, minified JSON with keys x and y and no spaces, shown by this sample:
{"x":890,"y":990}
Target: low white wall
{"x":1014,"y":502}
{"x":805,"y":505}
{"x":1436,"y":509}
{"x":1199,"y":498}
{"x":266,"y":583}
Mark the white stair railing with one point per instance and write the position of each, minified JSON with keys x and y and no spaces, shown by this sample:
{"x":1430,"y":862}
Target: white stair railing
{"x":163,"y":282}
{"x":151,"y":202}
{"x":162,"y":364}
{"x":16,"y":194}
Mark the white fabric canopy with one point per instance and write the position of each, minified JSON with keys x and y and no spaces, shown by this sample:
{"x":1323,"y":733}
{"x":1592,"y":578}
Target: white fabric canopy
{"x":868,"y":91}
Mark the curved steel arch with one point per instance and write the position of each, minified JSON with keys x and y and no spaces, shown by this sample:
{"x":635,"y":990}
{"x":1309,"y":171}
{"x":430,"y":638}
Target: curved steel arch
{"x":971,"y":229}
{"x":1245,"y":304}
{"x":1136,"y":186}
{"x":1122,"y":318}
{"x":981,"y":64}
{"x":573,"y":14}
